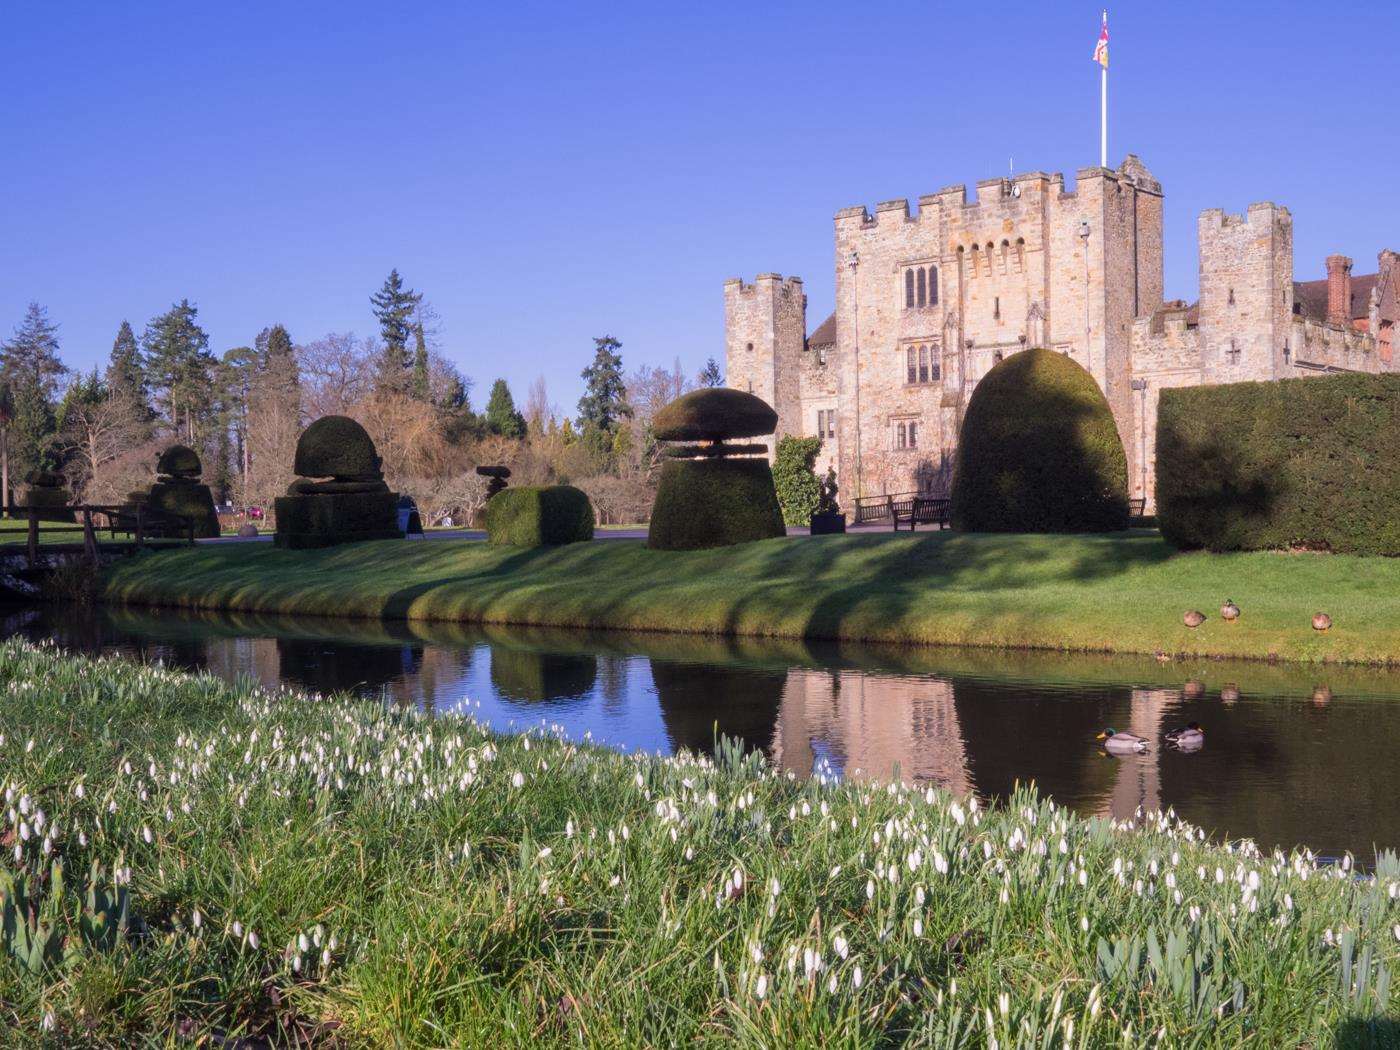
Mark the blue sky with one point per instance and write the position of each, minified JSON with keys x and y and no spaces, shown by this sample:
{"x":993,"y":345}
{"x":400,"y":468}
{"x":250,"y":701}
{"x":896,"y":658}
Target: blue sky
{"x":546,"y":173}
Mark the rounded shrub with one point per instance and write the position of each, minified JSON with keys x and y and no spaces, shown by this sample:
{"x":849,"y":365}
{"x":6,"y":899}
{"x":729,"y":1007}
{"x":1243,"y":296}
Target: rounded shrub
{"x":336,"y":447}
{"x":795,"y":478}
{"x":1039,"y":452}
{"x":526,"y":516}
{"x":179,"y":461}
{"x":714,"y":414}
{"x":714,"y":503}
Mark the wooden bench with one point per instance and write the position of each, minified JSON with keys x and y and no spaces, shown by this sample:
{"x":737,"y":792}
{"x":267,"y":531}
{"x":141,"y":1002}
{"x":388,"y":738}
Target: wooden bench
{"x":920,"y":510}
{"x":1137,"y":508}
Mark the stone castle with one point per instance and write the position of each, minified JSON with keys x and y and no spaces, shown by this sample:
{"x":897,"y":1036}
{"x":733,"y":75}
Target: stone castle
{"x":927,"y":302}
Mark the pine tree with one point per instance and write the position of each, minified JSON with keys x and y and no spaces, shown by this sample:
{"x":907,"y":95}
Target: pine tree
{"x":710,"y":374}
{"x":422,"y":385}
{"x":501,"y":415}
{"x":31,"y":369}
{"x":393,"y":306}
{"x":604,"y":402}
{"x":180,"y":367}
{"x":277,"y":359}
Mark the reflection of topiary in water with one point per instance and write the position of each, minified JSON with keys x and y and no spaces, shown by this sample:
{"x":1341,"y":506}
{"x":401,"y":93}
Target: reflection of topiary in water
{"x":179,"y":461}
{"x":527,"y":676}
{"x":337,"y":447}
{"x":707,"y":499}
{"x":1039,"y":452}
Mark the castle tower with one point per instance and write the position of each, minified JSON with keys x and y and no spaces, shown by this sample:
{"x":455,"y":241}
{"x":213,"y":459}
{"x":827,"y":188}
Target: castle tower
{"x":765,"y":330}
{"x":1246,"y":292}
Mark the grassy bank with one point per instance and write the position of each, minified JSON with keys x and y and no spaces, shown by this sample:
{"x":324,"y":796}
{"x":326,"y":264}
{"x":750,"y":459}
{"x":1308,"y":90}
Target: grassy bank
{"x":1123,"y":593}
{"x":300,"y":866}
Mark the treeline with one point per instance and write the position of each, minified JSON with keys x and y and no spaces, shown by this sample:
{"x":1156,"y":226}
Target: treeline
{"x":243,"y":411}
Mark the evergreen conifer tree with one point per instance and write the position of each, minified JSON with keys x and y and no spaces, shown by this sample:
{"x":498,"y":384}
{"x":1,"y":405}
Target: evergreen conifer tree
{"x":180,"y":367}
{"x":31,"y":369}
{"x":710,"y":374}
{"x":604,"y":402}
{"x":393,"y":306}
{"x":501,"y":415}
{"x":422,"y":385}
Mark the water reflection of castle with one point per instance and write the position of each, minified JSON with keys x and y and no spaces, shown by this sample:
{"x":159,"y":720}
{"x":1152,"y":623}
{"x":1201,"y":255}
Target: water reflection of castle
{"x":966,"y":739}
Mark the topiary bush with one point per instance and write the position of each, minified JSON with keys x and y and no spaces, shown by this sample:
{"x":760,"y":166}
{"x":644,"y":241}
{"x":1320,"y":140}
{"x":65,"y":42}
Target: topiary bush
{"x":714,"y":503}
{"x":336,"y":446}
{"x":714,"y":414}
{"x":324,"y":520}
{"x":1311,"y":463}
{"x":795,"y":478}
{"x":526,"y":516}
{"x":1039,"y":452}
{"x":179,"y":461}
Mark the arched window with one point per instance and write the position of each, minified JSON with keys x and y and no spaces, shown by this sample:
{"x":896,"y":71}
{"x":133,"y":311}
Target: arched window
{"x":933,"y":286}
{"x":1020,"y":254}
{"x":901,"y":437}
{"x":908,"y":288}
{"x":911,"y":366}
{"x":923,"y":364}
{"x":935,"y":369}
{"x":1005,"y":249}
{"x":923,"y":288}
{"x":913,"y":435}
{"x":974,"y":259}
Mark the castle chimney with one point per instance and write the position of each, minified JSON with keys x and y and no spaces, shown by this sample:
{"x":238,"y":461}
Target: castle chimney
{"x":1339,"y":290}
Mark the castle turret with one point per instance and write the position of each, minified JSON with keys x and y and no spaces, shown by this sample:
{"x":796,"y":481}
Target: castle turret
{"x":1246,"y":292}
{"x":765,"y":329}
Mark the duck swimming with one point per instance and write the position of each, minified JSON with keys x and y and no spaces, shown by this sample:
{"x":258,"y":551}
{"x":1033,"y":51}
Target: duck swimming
{"x":1116,"y":743}
{"x":1188,"y":737}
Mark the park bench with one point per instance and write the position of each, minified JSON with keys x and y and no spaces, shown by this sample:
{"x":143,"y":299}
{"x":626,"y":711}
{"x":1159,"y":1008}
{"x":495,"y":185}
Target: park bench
{"x":919,"y":510}
{"x":1137,"y":507}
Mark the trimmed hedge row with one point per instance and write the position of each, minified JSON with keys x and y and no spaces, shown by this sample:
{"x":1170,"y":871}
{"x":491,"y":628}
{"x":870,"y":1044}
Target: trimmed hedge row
{"x":1039,"y":452}
{"x":1311,"y":463}
{"x":536,"y":517}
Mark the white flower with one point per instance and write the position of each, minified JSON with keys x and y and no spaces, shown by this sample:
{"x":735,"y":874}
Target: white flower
{"x":517,"y":779}
{"x":839,"y":943}
{"x":857,"y":977}
{"x":761,"y":988}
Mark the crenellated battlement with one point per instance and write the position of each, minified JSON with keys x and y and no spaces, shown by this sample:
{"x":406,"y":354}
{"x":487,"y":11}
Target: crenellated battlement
{"x":1260,"y":213}
{"x":774,"y":283}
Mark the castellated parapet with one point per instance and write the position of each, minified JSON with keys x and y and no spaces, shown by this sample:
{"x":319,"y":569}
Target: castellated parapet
{"x":930,"y":296}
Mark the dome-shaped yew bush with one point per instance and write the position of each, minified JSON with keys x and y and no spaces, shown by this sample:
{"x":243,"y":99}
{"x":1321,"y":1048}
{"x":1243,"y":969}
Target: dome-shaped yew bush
{"x":179,"y":461}
{"x":1039,"y":452}
{"x":336,"y":447}
{"x":714,"y":414}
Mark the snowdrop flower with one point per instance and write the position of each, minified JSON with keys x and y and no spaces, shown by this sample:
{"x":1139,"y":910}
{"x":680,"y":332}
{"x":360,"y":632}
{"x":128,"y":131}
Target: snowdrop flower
{"x":842,"y":948}
{"x":517,"y":779}
{"x":857,"y":977}
{"x":761,"y":988}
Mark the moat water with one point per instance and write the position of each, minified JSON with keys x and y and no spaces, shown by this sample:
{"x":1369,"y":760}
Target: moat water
{"x":1292,"y":755}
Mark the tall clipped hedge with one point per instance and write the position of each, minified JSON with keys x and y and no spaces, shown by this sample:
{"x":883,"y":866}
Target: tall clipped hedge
{"x":1312,"y":463}
{"x":538,"y":517}
{"x":714,"y":503}
{"x":1039,"y":452}
{"x":795,"y":478}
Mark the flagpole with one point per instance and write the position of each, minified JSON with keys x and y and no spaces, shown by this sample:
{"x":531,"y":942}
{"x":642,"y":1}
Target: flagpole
{"x":1103,"y":109}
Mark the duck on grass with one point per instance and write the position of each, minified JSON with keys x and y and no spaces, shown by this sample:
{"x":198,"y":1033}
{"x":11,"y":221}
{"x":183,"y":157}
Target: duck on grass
{"x":231,"y":864}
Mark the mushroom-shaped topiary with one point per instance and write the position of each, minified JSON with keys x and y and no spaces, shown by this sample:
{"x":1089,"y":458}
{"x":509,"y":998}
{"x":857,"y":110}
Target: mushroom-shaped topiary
{"x":1039,"y":452}
{"x":706,"y":496}
{"x":179,"y":461}
{"x":714,"y":414}
{"x":337,"y":447}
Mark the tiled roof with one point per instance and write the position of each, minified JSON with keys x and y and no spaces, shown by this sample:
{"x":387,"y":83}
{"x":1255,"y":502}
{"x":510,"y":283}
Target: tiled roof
{"x":1311,"y":296}
{"x":825,"y":334}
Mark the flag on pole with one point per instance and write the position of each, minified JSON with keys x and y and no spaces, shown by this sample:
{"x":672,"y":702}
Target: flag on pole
{"x":1101,"y":48}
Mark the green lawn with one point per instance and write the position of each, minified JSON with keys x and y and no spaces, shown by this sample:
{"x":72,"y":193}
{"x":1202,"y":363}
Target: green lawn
{"x":291,"y":870}
{"x":1112,"y":593}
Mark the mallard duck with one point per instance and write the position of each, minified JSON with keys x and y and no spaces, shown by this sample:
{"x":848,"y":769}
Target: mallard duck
{"x":1322,"y":695}
{"x":1322,"y":622}
{"x":1194,"y":689}
{"x":1188,"y":737}
{"x":1163,"y":657}
{"x":1117,"y":743}
{"x":1194,"y":618}
{"x":1229,"y":693}
{"x":1229,"y":612}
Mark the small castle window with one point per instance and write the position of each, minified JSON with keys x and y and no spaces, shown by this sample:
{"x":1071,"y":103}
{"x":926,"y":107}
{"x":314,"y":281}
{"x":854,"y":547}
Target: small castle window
{"x":1233,"y":353}
{"x":934,"y":369}
{"x":1232,"y":297}
{"x":996,"y":308}
{"x":913,"y":435}
{"x":750,"y":347}
{"x":908,"y":288}
{"x":1020,"y":254}
{"x":821,"y":356}
{"x":923,"y":364}
{"x":911,"y":365}
{"x":923,"y":287}
{"x":826,"y":422}
{"x":901,"y":437}
{"x":933,"y":286}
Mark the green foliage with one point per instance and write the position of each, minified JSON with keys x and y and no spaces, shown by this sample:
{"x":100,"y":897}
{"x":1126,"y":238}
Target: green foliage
{"x":1039,"y":452}
{"x":189,"y":501}
{"x":710,"y":375}
{"x":421,"y":387}
{"x":179,"y":366}
{"x":714,"y":503}
{"x":31,"y":369}
{"x":604,"y":401}
{"x":328,"y":519}
{"x":179,"y":461}
{"x":827,"y":502}
{"x":714,"y":414}
{"x":795,"y":478}
{"x":501,"y":415}
{"x":394,"y":306}
{"x":336,"y":446}
{"x":126,"y":376}
{"x":1309,"y":463}
{"x":526,"y":516}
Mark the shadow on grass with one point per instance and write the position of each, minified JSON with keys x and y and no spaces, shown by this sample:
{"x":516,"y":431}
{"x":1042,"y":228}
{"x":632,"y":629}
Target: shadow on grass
{"x":1372,"y":1033}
